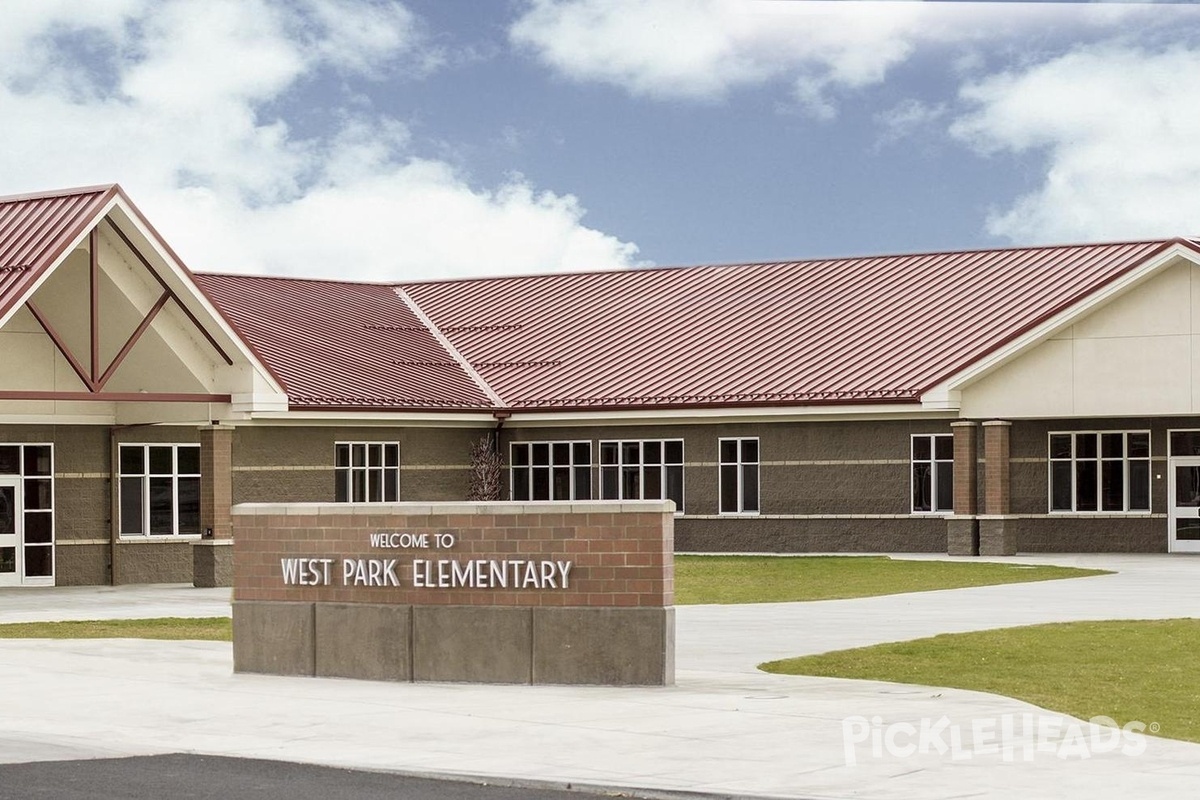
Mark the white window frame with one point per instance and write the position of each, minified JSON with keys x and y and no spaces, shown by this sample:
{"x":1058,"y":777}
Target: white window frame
{"x":1099,"y":459}
{"x":739,"y":465}
{"x":343,"y":475}
{"x":571,"y":466}
{"x":145,"y":476}
{"x":37,"y":580}
{"x":662,"y":466}
{"x":936,"y":509}
{"x":1170,"y":434}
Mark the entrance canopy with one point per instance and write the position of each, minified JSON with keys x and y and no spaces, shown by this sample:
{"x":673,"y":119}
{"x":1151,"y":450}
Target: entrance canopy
{"x":101,"y":322}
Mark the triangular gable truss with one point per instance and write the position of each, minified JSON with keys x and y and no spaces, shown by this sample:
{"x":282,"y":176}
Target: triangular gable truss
{"x":36,"y":235}
{"x":96,"y":378}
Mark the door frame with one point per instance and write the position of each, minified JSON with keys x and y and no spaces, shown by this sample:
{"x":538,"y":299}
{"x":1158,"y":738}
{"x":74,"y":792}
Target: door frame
{"x":1174,"y":545}
{"x":16,"y":578}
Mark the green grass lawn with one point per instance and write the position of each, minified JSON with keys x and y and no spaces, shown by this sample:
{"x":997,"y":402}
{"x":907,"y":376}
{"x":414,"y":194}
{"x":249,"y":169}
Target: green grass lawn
{"x":1128,"y":670}
{"x":775,"y":579}
{"x":218,"y":629}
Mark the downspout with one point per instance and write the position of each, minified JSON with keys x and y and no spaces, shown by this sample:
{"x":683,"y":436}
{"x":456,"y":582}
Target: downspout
{"x":501,"y":416}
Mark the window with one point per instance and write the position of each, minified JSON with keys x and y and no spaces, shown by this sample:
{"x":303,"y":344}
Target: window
{"x":1185,"y":443}
{"x":160,"y":489}
{"x":738,"y":475}
{"x":1106,"y":471}
{"x":933,"y":473}
{"x":651,"y":470}
{"x":550,"y":471}
{"x":366,"y":472}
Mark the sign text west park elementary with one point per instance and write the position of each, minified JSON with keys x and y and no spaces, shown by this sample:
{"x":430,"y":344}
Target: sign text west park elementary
{"x":479,"y":573}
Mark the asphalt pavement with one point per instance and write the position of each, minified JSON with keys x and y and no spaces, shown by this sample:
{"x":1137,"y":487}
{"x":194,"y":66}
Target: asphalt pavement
{"x":194,"y":777}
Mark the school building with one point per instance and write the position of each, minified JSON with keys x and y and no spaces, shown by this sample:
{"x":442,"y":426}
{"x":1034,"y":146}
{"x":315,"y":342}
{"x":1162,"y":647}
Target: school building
{"x":1015,"y":400}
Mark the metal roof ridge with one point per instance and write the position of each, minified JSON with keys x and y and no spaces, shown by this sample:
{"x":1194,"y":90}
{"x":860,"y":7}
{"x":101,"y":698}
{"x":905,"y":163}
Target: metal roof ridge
{"x":404,"y":285}
{"x":931,"y":253}
{"x":771,"y":263}
{"x":260,"y":277}
{"x":471,"y":372}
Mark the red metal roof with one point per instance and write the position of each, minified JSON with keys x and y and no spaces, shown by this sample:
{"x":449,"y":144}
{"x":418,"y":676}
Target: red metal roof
{"x":855,"y":330}
{"x":343,"y":345}
{"x":35,"y":231}
{"x":846,"y":330}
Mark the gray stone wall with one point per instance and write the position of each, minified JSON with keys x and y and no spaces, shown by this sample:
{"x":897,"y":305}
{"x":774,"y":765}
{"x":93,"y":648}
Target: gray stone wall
{"x":1091,"y":535}
{"x":813,"y":475}
{"x":154,"y":561}
{"x":1030,"y":453}
{"x":807,"y":467}
{"x":82,"y":564}
{"x":766,"y":535}
{"x":212,"y":563}
{"x":1038,"y":531}
{"x":295,"y":464}
{"x":472,"y":644}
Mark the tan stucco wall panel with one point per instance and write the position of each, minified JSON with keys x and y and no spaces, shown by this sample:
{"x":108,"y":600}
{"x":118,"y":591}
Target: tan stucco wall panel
{"x":1136,"y":355}
{"x":1161,"y":305}
{"x":1133,"y":375}
{"x":1050,"y":367}
{"x":28,"y":363}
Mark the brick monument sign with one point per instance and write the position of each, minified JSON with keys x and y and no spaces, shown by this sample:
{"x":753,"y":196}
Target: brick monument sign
{"x":577,"y":592}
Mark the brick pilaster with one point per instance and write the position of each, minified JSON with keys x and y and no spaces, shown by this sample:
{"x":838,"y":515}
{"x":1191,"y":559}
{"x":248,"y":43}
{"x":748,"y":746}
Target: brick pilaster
{"x":996,"y":467}
{"x":216,"y":480}
{"x":966,"y":467}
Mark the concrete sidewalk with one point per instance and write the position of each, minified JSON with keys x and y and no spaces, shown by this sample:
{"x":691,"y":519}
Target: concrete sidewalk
{"x":724,"y":729}
{"x":36,"y":604}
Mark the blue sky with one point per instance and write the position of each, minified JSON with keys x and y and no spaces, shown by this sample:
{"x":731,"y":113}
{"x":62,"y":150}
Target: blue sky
{"x":438,"y":138}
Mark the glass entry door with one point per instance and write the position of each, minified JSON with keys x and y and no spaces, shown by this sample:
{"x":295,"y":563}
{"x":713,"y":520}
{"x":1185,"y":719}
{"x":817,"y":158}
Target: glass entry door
{"x":1184,"y":489}
{"x":10,"y":531}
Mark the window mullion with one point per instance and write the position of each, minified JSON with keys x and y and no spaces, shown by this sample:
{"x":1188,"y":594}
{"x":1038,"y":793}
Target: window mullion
{"x":738,"y":500}
{"x":933,"y":475}
{"x":1125,"y":472}
{"x":174,"y":490}
{"x":146,"y":490}
{"x":741,"y":475}
{"x":1075,"y":473}
{"x":740,"y":504}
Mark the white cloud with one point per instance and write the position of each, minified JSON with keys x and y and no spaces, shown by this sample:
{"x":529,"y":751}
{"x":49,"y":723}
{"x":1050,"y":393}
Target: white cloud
{"x":1118,"y":127}
{"x":704,"y":49}
{"x":359,"y":36}
{"x":418,"y":219}
{"x":184,"y":103}
{"x":907,"y":118}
